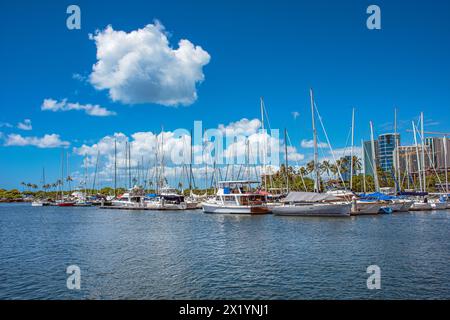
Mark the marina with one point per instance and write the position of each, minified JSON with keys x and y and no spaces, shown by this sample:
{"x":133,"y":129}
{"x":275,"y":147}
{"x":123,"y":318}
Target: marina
{"x":222,"y":155}
{"x":129,"y":254}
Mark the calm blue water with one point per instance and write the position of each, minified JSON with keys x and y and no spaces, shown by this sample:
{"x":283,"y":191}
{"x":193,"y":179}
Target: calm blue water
{"x":191,"y":255}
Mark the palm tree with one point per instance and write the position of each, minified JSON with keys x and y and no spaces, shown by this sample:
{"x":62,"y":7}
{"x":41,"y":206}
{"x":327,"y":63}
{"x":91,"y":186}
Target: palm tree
{"x":303,"y":171}
{"x":325,"y":166}
{"x":357,"y":164}
{"x":334,"y":169}
{"x":310,"y":166}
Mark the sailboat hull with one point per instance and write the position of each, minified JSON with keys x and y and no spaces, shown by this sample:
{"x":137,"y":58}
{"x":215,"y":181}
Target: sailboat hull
{"x":421,"y":206}
{"x":439,"y":206}
{"x":313,"y":210}
{"x":366,"y":208}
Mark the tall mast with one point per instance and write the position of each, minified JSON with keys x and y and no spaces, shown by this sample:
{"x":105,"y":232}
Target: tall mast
{"x":95,"y":173}
{"x":418,"y":158}
{"x":316,"y":151}
{"x":126,"y":164}
{"x":68,"y":171}
{"x":352,"y":147}
{"x":363,"y":164}
{"x":424,"y":171}
{"x":445,"y":163}
{"x":205,"y":160}
{"x":115,"y":167}
{"x":190,"y":164}
{"x":264,"y":145}
{"x":43,"y":177}
{"x":396,"y":155}
{"x":161,"y":176}
{"x":62,"y":174}
{"x":129,"y":165}
{"x":85,"y":176}
{"x":374,"y":159}
{"x":286,"y":160}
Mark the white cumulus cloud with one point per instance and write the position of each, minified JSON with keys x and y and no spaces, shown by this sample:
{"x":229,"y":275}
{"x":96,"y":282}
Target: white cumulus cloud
{"x":25,"y":125}
{"x":141,"y":67}
{"x":310,"y":144}
{"x":64,"y":105}
{"x":242,"y":127}
{"x":47,"y":141}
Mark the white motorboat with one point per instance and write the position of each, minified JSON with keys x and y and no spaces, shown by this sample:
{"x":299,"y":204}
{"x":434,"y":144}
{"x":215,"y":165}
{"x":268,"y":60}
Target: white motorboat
{"x":134,"y":198}
{"x":235,"y":197}
{"x":312,"y":204}
{"x":39,"y":203}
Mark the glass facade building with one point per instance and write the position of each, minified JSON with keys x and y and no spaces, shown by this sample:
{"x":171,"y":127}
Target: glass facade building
{"x":386,"y":146}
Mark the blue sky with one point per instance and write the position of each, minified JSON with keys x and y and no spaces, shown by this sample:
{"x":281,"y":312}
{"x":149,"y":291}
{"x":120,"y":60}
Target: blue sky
{"x":275,"y":49}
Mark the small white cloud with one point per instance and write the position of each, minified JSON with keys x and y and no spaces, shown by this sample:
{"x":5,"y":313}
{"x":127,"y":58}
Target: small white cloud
{"x":92,"y":110}
{"x":25,"y":125}
{"x":5,"y":125}
{"x":47,"y":141}
{"x":242,"y":127}
{"x":310,"y":144}
{"x":295,"y":114}
{"x":141,"y":67}
{"x":79,"y":77}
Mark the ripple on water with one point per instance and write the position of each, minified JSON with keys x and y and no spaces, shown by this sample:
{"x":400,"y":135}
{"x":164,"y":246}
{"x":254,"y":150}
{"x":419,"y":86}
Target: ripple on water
{"x":190,"y":255}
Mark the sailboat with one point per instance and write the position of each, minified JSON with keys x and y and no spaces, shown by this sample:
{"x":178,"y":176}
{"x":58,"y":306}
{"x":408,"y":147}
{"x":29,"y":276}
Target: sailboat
{"x":41,"y":202}
{"x":421,"y":202}
{"x":64,"y":202}
{"x":313,"y":203}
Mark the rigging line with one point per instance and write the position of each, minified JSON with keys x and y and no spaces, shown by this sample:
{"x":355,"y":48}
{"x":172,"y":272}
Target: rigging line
{"x":329,"y":144}
{"x":431,"y":162}
{"x":297,"y":162}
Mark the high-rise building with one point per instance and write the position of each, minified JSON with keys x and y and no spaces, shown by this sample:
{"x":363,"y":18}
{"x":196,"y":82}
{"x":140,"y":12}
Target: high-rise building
{"x":437,"y":152}
{"x":408,"y":163}
{"x":346,"y":168}
{"x":386,"y":146}
{"x":367,"y":157}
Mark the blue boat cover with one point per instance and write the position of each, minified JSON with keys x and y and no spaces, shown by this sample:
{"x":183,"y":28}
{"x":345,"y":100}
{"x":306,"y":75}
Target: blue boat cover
{"x":377,"y":196}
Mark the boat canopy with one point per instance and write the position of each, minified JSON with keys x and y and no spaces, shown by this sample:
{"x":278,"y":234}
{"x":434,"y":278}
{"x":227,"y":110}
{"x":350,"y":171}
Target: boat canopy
{"x":418,"y":194}
{"x":236,"y":182}
{"x":377,"y":196}
{"x":309,"y":197}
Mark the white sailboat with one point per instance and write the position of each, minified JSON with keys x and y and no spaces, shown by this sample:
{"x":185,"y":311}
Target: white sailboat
{"x":313,"y":203}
